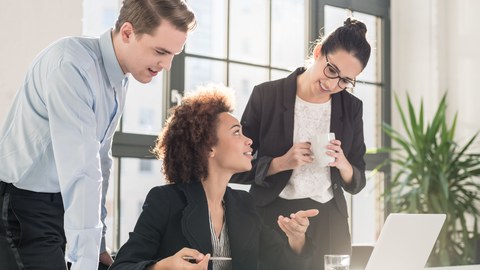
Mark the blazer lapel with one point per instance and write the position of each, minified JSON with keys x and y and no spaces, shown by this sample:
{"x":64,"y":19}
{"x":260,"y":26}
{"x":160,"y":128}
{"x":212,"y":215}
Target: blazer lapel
{"x":289,"y":96}
{"x":195,"y":222}
{"x":336,"y":118}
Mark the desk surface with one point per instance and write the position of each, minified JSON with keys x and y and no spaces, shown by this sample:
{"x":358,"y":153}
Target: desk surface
{"x":460,"y":267}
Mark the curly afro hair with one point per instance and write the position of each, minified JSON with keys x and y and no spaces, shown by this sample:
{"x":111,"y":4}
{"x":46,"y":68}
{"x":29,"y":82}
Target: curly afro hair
{"x":190,"y":132}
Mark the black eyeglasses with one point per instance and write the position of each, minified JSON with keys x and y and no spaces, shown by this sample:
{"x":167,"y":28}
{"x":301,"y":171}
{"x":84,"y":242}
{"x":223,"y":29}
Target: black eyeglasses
{"x":333,"y":73}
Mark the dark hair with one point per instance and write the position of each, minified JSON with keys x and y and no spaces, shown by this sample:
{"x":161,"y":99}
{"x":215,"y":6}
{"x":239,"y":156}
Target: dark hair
{"x":350,"y":37}
{"x":147,"y":15}
{"x":190,"y":132}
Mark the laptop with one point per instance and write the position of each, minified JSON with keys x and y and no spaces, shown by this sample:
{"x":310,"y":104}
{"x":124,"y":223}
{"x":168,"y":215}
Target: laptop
{"x":405,"y":242}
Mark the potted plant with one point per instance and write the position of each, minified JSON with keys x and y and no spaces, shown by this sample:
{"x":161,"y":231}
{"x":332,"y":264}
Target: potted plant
{"x":434,"y":174}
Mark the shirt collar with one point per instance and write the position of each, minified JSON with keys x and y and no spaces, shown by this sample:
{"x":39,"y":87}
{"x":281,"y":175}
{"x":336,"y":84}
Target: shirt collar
{"x":112,"y":67}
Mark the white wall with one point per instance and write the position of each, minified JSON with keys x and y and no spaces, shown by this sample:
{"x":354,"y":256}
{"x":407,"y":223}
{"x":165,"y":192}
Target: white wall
{"x":464,"y":64}
{"x":27,"y":27}
{"x":434,"y":49}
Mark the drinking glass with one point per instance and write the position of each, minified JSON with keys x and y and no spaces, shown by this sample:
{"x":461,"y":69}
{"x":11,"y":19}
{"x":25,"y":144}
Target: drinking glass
{"x":337,"y":262}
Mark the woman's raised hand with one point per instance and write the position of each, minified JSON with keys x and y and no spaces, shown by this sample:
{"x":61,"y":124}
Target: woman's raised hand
{"x":295,"y":227}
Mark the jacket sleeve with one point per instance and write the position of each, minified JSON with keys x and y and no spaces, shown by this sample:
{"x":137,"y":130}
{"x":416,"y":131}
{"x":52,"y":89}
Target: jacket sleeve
{"x":357,"y":152}
{"x":140,"y":250}
{"x":76,"y":150}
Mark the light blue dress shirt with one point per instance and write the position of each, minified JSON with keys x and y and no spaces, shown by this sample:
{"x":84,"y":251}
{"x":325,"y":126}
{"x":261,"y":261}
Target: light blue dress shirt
{"x":58,"y":134}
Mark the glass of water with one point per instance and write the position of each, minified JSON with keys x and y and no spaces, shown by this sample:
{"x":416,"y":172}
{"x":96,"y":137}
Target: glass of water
{"x":337,"y":262}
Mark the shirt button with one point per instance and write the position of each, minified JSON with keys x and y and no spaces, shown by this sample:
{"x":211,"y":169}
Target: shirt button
{"x":335,"y":186}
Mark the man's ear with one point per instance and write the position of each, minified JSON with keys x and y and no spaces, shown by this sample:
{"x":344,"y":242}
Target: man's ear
{"x":211,"y":153}
{"x":126,"y":32}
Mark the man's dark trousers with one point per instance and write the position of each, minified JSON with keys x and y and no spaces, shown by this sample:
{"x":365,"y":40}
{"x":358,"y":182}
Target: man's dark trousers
{"x":31,"y":230}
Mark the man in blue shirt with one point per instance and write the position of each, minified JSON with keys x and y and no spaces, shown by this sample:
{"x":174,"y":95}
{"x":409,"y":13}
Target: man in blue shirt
{"x":55,"y":145}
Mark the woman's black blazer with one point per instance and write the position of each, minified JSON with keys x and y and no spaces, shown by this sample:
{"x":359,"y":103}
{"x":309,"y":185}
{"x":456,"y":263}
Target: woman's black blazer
{"x":268,"y":120}
{"x":176,"y":216}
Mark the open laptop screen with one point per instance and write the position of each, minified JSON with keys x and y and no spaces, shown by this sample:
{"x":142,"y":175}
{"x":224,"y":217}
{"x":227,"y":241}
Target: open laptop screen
{"x":405,"y":241}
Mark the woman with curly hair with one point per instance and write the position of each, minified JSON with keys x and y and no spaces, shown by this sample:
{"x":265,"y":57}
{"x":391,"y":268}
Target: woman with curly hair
{"x":197,"y":215}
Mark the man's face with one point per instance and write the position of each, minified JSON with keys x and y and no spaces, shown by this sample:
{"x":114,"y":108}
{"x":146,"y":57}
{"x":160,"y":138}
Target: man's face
{"x":146,"y":55}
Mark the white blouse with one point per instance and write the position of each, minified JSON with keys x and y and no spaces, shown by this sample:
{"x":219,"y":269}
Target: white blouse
{"x":310,"y":180}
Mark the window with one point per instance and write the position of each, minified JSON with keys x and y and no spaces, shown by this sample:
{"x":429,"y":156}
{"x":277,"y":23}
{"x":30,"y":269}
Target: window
{"x":367,"y":207}
{"x":242,"y":43}
{"x":133,"y":188}
{"x":145,"y":165}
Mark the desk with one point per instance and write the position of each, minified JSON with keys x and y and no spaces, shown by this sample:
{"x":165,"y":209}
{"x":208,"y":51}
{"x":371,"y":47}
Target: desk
{"x":460,"y":267}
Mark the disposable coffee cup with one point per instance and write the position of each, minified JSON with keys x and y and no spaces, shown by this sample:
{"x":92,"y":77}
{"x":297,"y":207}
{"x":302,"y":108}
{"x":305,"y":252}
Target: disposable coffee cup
{"x":319,"y":144}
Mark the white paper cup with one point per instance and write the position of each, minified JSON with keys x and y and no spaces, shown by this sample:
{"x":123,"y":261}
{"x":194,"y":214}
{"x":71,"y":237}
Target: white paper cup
{"x":319,"y":144}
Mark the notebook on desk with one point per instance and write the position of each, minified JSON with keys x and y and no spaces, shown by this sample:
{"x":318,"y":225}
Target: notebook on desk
{"x":405,"y":242}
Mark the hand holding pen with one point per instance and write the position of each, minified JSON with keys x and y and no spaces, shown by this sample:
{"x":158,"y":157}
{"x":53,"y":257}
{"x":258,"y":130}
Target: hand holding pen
{"x":177,"y":261}
{"x":191,"y":259}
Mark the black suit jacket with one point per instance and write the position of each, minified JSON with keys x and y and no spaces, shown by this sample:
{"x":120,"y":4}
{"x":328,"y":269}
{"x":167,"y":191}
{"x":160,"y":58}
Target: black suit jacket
{"x":176,"y":216}
{"x":268,"y":120}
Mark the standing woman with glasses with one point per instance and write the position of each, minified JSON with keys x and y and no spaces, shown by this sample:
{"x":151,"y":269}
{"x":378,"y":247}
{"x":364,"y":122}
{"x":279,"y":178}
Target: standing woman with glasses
{"x":282,"y":116}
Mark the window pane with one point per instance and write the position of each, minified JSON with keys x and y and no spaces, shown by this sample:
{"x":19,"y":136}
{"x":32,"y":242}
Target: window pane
{"x":277,"y":74}
{"x":334,"y":17}
{"x":288,"y":35}
{"x":371,"y":73}
{"x":249,"y":31}
{"x":144,"y":107}
{"x":209,"y":38}
{"x":134,"y":187}
{"x":367,"y":210}
{"x":201,"y":71}
{"x":99,"y":16}
{"x":242,"y":79}
{"x":371,"y":97}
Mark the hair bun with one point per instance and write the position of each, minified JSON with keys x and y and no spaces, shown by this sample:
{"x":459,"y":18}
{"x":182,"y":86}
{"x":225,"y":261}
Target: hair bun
{"x":354,"y":24}
{"x":348,"y":21}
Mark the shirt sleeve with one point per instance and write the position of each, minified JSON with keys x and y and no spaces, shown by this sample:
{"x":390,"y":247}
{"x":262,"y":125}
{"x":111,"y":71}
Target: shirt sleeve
{"x":106,"y":165}
{"x":70,"y":104}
